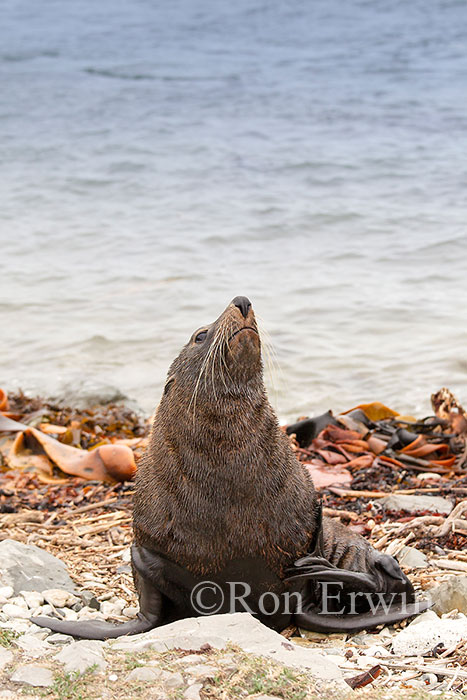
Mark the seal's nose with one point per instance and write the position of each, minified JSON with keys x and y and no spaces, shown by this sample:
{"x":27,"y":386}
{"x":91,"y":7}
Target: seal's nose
{"x":243,"y":304}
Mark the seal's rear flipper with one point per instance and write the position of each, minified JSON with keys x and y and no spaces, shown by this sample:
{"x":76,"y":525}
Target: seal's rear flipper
{"x":334,"y":599}
{"x":314,"y":619}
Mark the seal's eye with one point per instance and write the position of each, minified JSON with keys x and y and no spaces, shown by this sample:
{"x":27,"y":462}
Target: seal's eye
{"x":201,"y":336}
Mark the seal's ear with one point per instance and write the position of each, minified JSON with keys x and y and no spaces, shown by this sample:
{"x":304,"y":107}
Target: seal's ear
{"x":169,"y":384}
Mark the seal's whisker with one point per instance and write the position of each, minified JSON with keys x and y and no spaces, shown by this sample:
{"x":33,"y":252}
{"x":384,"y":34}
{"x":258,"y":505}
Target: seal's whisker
{"x":272,"y":366}
{"x":220,"y":356}
{"x":200,"y":376}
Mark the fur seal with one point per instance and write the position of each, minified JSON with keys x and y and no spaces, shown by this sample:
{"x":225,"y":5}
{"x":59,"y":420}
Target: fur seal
{"x":220,"y":498}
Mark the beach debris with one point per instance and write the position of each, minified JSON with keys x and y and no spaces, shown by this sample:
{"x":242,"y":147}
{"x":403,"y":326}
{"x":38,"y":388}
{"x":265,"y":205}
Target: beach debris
{"x":49,"y":449}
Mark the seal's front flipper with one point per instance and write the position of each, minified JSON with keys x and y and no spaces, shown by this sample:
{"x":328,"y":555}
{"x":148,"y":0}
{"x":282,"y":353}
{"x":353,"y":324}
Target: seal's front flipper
{"x":152,"y":611}
{"x":95,"y":629}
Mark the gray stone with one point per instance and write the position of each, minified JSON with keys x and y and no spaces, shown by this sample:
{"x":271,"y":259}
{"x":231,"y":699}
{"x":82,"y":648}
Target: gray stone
{"x":201,"y":671}
{"x":241,"y":629}
{"x":450,"y":595}
{"x":89,"y":599}
{"x":25,"y":567}
{"x":420,"y":638}
{"x":143,"y":673}
{"x":37,"y":676}
{"x":189,"y":659}
{"x":79,"y":656}
{"x":416,"y":504}
{"x":192,"y":693}
{"x":58,"y":638}
{"x":32,"y":645}
{"x":6,"y":657}
{"x":173,"y":680}
{"x":411,"y":558}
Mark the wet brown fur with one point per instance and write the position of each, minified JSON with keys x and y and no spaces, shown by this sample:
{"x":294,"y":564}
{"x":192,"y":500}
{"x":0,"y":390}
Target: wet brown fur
{"x":219,"y":480}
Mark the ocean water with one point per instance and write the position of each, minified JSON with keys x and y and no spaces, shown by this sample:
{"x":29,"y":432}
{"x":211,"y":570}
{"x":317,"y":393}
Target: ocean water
{"x":159,"y":158}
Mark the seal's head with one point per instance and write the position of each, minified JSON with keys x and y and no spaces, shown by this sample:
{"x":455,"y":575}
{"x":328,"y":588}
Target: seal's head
{"x":221,"y":359}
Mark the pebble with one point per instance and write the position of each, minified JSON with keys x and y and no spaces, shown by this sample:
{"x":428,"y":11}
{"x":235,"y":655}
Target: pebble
{"x":89,"y":599}
{"x":173,"y":680}
{"x":144,"y":674}
{"x":192,"y":693}
{"x":32,"y":645}
{"x":79,"y":656}
{"x":12,"y":610}
{"x":89,"y":614}
{"x":130,"y":611}
{"x":202,"y":671}
{"x":189,"y":659}
{"x":450,"y":595}
{"x":58,"y":638}
{"x":412,"y":558}
{"x":6,"y":657}
{"x":37,"y":676}
{"x":415,"y":504}
{"x":33,"y":599}
{"x":59,"y":597}
{"x":109,"y":609}
{"x":6,"y":591}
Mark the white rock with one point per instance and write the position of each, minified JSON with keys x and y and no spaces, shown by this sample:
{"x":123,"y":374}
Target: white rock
{"x":79,"y":656}
{"x":69,"y":614}
{"x":33,"y":599}
{"x":415,"y":504}
{"x":109,"y":609}
{"x":89,"y":614}
{"x":411,"y":557}
{"x":113,"y":677}
{"x":32,"y":645}
{"x":19,"y":601}
{"x":192,"y":693}
{"x":377,"y":651}
{"x":46,"y":610}
{"x":59,"y":597}
{"x":241,"y":629}
{"x":201,"y":671}
{"x":416,"y":640}
{"x":14,"y":611}
{"x":126,"y":555}
{"x":37,"y":676}
{"x":6,"y":657}
{"x":6,"y":592}
{"x":130,"y":611}
{"x":450,"y":595}
{"x":189,"y":659}
{"x":174,"y":680}
{"x":144,"y":674}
